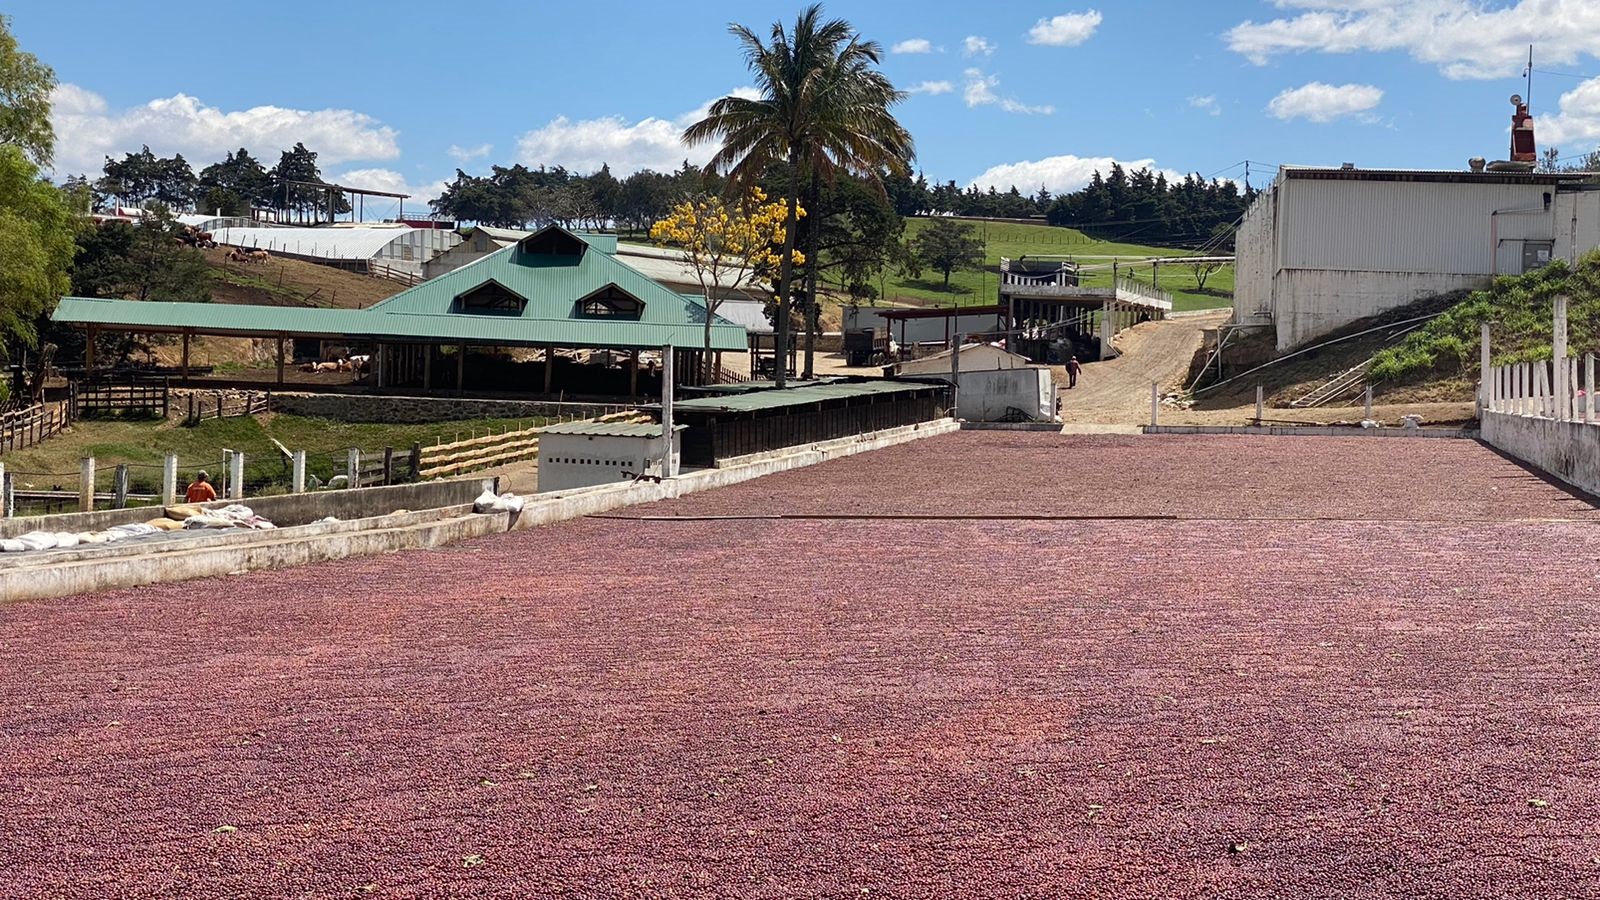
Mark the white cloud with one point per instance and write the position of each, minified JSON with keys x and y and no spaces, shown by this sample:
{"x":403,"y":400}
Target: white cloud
{"x":1320,"y":102}
{"x":391,"y":181}
{"x":468,"y":154}
{"x":980,"y":92}
{"x":1577,"y":123}
{"x":1061,"y":174}
{"x":973,"y":45}
{"x":1207,"y":103}
{"x":1465,"y":38}
{"x":88,"y":130}
{"x":931,"y":88}
{"x":1068,"y":30}
{"x":649,"y":143}
{"x":913,"y":45}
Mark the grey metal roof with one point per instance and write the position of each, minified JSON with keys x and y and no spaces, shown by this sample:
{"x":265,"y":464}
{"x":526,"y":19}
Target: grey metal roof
{"x":800,"y":396}
{"x":610,"y":429}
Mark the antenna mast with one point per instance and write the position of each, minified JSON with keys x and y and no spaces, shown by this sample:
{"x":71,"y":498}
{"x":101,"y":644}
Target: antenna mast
{"x":1529,"y":74}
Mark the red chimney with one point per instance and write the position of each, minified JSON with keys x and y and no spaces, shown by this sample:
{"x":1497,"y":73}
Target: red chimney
{"x":1522,"y":146}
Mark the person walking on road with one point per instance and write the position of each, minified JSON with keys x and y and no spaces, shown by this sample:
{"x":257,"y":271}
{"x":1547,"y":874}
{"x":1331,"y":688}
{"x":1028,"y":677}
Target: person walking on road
{"x":200,"y":491}
{"x":1073,"y":368}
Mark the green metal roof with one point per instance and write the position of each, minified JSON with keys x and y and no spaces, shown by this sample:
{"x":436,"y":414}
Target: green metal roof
{"x":800,"y":396}
{"x":609,"y":429}
{"x":552,"y":286}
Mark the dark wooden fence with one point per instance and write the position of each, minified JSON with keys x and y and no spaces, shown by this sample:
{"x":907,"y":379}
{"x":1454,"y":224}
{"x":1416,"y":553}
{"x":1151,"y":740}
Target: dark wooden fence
{"x":113,"y":398}
{"x":25,"y":427}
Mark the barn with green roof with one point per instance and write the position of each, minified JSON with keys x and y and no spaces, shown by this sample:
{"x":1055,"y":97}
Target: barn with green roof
{"x":555,"y":290}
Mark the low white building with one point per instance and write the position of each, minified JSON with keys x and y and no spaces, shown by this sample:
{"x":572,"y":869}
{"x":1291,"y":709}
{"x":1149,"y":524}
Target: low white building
{"x":994,"y":385}
{"x":585,"y":454}
{"x":1323,"y":247}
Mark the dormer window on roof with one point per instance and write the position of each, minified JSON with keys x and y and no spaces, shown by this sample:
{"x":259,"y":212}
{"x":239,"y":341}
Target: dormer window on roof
{"x":611,"y":302}
{"x":552,"y":241}
{"x":490,"y":298}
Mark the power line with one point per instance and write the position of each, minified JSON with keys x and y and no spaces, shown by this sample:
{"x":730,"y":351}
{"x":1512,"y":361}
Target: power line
{"x":1565,"y":74}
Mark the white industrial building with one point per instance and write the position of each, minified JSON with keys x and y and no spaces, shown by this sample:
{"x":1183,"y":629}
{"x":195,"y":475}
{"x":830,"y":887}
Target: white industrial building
{"x":359,"y":247}
{"x":1323,"y":247}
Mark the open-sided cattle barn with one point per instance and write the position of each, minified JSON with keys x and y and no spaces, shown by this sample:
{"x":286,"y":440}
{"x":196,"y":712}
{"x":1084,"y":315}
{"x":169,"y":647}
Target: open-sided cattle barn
{"x":553,"y":290}
{"x":735,"y":422}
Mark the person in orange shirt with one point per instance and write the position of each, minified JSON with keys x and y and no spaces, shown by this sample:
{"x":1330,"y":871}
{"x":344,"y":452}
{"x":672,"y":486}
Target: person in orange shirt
{"x":201,"y":490}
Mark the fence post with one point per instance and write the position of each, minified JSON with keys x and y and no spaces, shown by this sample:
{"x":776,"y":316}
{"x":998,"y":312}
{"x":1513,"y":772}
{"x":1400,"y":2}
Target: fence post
{"x":86,"y":484}
{"x":8,"y":496}
{"x":119,"y":487}
{"x":1367,"y":400}
{"x":236,"y":476}
{"x":1261,"y":398}
{"x":169,"y":480}
{"x":1588,"y":388}
{"x":1155,"y":403}
{"x":5,"y":482}
{"x":388,"y":465}
{"x":1485,"y":398}
{"x":297,"y":477}
{"x":352,"y":468}
{"x":416,"y":461}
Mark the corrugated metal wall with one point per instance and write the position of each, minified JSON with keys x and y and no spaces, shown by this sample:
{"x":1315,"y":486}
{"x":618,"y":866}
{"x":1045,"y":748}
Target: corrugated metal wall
{"x":1386,"y":226}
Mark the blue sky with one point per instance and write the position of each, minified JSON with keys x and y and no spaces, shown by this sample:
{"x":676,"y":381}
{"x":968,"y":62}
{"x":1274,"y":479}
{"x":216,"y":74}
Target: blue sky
{"x":397,"y":95}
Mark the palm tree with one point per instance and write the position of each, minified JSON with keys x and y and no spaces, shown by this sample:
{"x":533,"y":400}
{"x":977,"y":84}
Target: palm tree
{"x":824,"y":106}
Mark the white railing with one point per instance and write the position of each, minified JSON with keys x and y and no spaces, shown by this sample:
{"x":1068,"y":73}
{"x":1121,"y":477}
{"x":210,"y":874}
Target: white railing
{"x":1143,"y":291}
{"x":1560,"y":389}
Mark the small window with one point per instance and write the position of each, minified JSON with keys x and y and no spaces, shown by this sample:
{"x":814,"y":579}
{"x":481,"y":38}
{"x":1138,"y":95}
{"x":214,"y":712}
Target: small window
{"x":611,"y":302}
{"x":492,"y":298}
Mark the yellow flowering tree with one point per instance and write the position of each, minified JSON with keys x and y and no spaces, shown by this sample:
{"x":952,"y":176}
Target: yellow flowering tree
{"x":728,"y":245}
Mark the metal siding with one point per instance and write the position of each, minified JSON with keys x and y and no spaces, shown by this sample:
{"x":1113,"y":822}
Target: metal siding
{"x":1422,"y":227}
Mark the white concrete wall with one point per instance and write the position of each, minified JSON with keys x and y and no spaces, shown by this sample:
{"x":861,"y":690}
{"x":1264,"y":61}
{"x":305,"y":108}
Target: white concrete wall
{"x":974,"y":358}
{"x":1311,"y":303}
{"x":1253,"y":265}
{"x":1569,"y":451}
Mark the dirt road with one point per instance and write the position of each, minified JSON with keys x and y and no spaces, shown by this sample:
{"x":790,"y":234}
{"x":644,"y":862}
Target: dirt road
{"x":1118,"y":391}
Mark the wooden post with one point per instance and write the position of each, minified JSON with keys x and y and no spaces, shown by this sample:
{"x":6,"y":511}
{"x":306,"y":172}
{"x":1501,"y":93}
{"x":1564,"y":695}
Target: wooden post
{"x":1155,"y":403}
{"x":88,"y":351}
{"x":1260,"y":404}
{"x":183,"y":367}
{"x":169,"y":479}
{"x":297,"y":472}
{"x":8,"y":496}
{"x":352,"y":468}
{"x":549,"y":366}
{"x":416,"y":461}
{"x":86,"y":484}
{"x":427,"y":367}
{"x":388,"y":465}
{"x":461,"y":368}
{"x":119,"y":487}
{"x":633,"y":373}
{"x":280,"y":359}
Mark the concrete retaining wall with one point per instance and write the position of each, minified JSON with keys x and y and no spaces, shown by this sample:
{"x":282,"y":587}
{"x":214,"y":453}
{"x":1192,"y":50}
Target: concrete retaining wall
{"x":1569,"y":451}
{"x":418,"y":410}
{"x":1313,"y":431}
{"x":283,"y":509}
{"x":104,"y":567}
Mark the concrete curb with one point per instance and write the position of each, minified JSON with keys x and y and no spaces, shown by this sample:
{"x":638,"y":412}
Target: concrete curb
{"x":1315,"y":431}
{"x":1052,"y":427}
{"x":106,"y":567}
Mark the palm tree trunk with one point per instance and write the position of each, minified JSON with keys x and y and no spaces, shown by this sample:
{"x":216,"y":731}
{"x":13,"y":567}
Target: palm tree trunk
{"x":780,"y":338}
{"x":813,"y":219}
